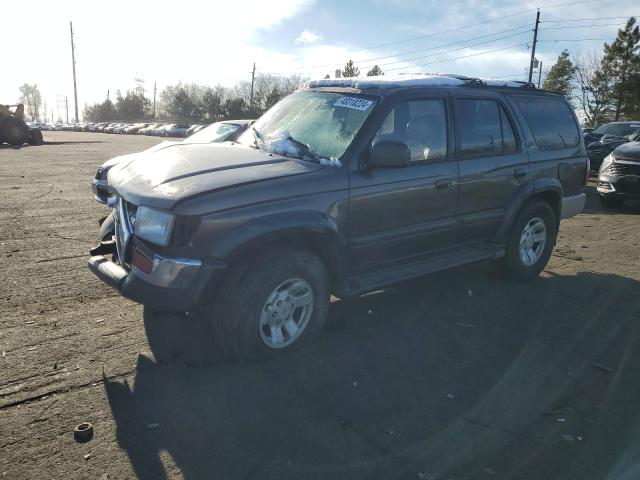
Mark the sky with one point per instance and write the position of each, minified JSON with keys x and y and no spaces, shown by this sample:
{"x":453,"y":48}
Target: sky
{"x":217,"y":42}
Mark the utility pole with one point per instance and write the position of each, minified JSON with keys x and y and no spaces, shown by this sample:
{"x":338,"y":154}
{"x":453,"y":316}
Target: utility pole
{"x":253,"y":77}
{"x":66,"y":104}
{"x":154,"y":99}
{"x":533,"y":47}
{"x":73,"y":62}
{"x":539,"y":73}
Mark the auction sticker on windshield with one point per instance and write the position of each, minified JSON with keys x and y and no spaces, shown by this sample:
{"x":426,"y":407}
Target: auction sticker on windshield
{"x":354,"y":103}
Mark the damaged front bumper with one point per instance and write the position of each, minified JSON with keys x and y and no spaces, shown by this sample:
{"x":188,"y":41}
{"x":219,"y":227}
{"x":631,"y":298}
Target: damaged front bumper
{"x":165,"y":283}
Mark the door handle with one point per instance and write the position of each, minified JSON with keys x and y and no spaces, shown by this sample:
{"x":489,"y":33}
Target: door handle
{"x":443,"y":183}
{"x":520,"y":172}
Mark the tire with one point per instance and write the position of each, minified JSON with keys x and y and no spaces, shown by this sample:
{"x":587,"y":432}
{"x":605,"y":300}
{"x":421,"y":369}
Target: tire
{"x":107,"y":229}
{"x":532,"y":215}
{"x":238,"y":312}
{"x":14,"y":131}
{"x":35,"y":137}
{"x":611,"y":201}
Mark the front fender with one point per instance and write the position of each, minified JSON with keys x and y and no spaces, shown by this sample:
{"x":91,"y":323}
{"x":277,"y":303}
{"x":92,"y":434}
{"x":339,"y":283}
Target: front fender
{"x":314,"y":229}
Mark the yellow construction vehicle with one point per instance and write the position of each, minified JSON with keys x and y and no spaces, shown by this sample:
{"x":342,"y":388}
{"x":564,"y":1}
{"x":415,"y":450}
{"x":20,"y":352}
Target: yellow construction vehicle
{"x":13,"y":129}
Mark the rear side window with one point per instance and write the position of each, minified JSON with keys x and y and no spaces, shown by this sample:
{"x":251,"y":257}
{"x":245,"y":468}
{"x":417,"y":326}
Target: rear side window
{"x":550,"y":120}
{"x":485,"y":129}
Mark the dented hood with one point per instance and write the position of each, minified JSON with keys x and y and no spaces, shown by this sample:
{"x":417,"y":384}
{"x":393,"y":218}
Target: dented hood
{"x":165,"y":177}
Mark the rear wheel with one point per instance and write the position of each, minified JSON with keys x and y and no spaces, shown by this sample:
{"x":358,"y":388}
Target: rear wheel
{"x":611,"y":201}
{"x":530,"y":243}
{"x":269,"y":306}
{"x":14,"y":131}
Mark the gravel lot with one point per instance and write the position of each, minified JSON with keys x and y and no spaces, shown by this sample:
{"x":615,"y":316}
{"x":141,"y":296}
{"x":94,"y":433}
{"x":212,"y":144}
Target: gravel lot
{"x":456,"y":375}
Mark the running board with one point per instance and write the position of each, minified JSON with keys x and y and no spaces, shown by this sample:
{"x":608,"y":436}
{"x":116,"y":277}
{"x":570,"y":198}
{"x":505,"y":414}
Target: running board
{"x":368,"y":281}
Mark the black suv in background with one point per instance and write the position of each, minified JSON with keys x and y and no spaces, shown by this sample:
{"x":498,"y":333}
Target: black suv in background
{"x":344,"y":187}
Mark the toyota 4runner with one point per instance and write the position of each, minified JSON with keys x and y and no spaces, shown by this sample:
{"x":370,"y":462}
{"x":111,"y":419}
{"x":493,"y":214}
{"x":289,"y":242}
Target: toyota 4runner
{"x":343,"y":187}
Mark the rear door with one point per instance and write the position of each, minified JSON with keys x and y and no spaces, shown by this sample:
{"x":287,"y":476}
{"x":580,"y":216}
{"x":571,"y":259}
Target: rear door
{"x":493,"y":163}
{"x":403,"y":213}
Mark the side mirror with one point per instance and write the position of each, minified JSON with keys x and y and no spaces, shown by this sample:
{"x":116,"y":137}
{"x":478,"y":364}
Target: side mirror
{"x":389,"y":154}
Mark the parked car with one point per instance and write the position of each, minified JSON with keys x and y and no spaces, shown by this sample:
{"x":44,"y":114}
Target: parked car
{"x":176,"y":130}
{"x":121,"y":128}
{"x":619,"y":175}
{"x":131,"y":129}
{"x":146,"y":130}
{"x":342,"y":188}
{"x":617,"y":129}
{"x":597,"y":151}
{"x":193,"y":129}
{"x":228,"y":130}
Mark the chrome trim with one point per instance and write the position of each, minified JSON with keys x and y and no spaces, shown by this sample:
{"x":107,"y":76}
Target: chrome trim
{"x":173,"y":272}
{"x":123,"y":231}
{"x":626,"y":162}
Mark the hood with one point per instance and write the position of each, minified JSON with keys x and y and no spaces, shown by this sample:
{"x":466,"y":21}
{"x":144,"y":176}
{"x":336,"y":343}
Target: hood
{"x":162,"y":178}
{"x":131,"y":156}
{"x":628,"y":151}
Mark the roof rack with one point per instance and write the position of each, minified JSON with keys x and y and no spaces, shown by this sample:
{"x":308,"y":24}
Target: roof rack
{"x":416,"y":80}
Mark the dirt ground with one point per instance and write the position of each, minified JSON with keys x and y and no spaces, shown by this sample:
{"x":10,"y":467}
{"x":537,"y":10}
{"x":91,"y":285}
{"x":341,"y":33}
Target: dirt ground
{"x":456,"y":375}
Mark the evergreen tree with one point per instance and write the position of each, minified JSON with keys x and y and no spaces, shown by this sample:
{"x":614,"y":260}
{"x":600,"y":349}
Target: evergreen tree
{"x":560,"y":76}
{"x":621,"y":69}
{"x":375,"y":71}
{"x":350,"y":70}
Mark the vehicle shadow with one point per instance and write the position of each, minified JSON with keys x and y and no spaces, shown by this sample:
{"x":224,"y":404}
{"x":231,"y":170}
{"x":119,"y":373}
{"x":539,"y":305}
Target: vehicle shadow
{"x":593,"y":204}
{"x":452,"y":375}
{"x":72,"y":142}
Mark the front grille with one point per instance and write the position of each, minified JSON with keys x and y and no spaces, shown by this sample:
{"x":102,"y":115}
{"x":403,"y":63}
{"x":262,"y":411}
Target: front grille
{"x":124,"y":231}
{"x":621,"y":169}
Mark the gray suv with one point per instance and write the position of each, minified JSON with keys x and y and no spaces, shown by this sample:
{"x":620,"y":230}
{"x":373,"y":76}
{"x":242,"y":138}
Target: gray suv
{"x":341,"y":188}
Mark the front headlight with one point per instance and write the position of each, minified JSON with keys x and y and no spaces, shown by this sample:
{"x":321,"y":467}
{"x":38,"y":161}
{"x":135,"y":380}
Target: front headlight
{"x":608,"y":160}
{"x":154,"y":225}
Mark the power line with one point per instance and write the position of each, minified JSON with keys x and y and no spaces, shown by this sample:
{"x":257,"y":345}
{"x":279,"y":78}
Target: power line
{"x":458,"y":58}
{"x":582,"y":26}
{"x":575,"y":40}
{"x":585,"y":19}
{"x":465,"y":27}
{"x":361,"y":61}
{"x":414,"y":58}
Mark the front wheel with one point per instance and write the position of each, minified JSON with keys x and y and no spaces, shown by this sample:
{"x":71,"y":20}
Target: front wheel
{"x":269,"y":306}
{"x":530,"y":242}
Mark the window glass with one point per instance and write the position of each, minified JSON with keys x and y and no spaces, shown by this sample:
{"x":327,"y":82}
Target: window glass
{"x":550,"y":120}
{"x":480,"y":128}
{"x":509,"y":143}
{"x":422,"y":125}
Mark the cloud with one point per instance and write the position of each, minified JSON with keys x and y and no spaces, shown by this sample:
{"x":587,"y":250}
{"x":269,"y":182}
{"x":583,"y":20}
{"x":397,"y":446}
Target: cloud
{"x":307,"y":36}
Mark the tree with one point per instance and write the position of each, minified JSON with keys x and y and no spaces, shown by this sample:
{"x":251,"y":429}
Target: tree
{"x":561,"y":75}
{"x":274,"y":97}
{"x":592,"y":89}
{"x":101,"y":112}
{"x":375,"y":71}
{"x":212,"y":104}
{"x":134,"y":106}
{"x":30,"y":96}
{"x":234,"y":108}
{"x":350,"y":70}
{"x":621,"y":68}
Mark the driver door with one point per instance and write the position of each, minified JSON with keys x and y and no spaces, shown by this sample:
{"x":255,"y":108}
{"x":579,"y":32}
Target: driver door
{"x":407,"y":214}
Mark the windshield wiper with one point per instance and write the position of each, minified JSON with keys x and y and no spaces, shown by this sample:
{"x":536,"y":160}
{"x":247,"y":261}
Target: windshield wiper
{"x":305,"y":149}
{"x":258,"y":138}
